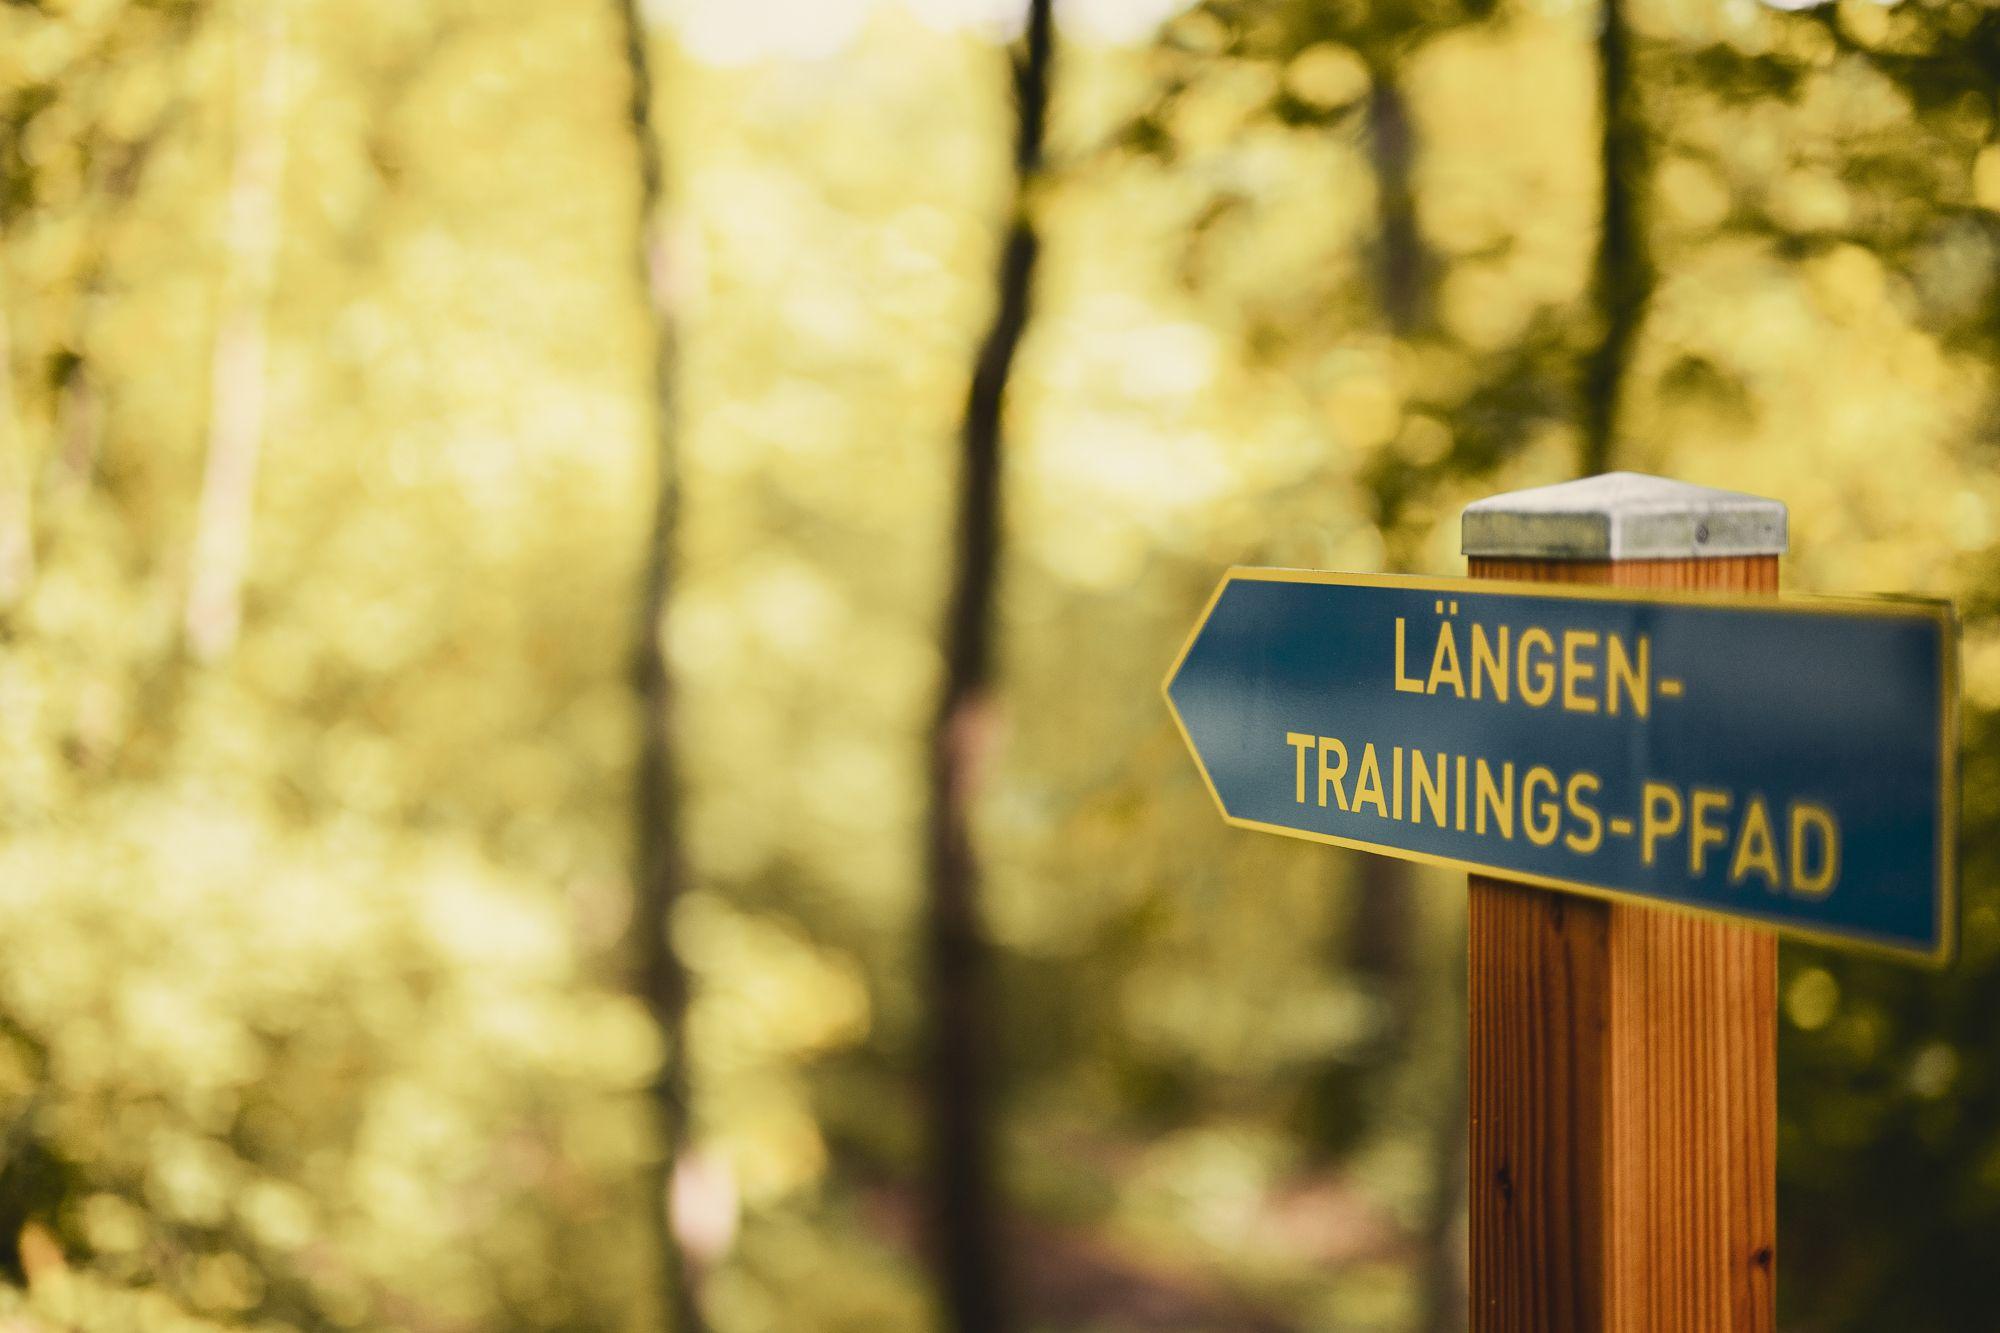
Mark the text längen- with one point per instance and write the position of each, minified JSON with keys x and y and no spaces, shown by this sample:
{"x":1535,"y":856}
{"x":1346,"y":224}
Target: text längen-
{"x":1580,"y":670}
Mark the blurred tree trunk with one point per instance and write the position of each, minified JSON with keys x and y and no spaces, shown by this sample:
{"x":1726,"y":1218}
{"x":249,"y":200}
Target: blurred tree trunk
{"x":965,"y":1231}
{"x":1402,"y":265}
{"x":1623,"y":277}
{"x":17,"y":538}
{"x":1378,"y":951}
{"x":1382,"y":946}
{"x":1381,"y":955}
{"x":1380,"y":933}
{"x":660,"y":858}
{"x":214,"y":611}
{"x":1440,"y":1228}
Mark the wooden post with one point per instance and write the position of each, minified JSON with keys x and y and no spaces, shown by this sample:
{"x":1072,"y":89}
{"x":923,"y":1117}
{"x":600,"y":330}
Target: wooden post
{"x":1623,"y":1057}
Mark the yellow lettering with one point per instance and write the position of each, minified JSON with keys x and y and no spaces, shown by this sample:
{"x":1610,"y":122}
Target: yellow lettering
{"x":1489,"y":663}
{"x":1368,"y":786}
{"x":1755,"y":848}
{"x":1404,"y":683}
{"x":1334,"y":774}
{"x":1422,"y":782}
{"x":1701,"y":833}
{"x":1396,"y":782}
{"x":1447,"y":648}
{"x":1458,"y":797}
{"x":1806,"y":817}
{"x":1576,"y":671}
{"x":1637,"y":679}
{"x":1301,"y":742}
{"x":1541,"y":672}
{"x":1659,"y":817}
{"x":1499,"y":798}
{"x":1582,"y":785}
{"x":1539,"y":834}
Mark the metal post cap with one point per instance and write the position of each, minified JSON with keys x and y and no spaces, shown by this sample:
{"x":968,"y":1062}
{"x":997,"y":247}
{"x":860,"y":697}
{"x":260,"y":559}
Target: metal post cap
{"x":1623,"y":516}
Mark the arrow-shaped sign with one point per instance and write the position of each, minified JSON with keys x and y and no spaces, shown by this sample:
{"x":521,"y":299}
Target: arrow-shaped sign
{"x":1789,"y":761}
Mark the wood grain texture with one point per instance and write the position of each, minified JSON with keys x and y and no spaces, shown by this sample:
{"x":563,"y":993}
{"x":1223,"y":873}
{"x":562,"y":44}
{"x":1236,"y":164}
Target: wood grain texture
{"x":1624,"y":1085}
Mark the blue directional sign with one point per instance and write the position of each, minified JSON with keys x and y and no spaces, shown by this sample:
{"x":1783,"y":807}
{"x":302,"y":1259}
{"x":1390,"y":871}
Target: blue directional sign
{"x":1788,"y":761}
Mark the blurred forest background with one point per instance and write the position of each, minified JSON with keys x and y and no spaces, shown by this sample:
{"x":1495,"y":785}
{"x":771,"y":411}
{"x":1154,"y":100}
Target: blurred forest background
{"x":583,"y":586}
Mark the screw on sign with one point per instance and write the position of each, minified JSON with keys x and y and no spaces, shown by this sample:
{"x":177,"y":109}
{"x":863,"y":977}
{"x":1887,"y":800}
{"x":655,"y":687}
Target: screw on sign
{"x":1647,"y":761}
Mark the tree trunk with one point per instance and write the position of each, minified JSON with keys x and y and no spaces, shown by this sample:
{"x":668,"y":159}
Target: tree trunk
{"x":1442,"y":1237}
{"x":660,"y":858}
{"x":1381,"y":930}
{"x":1380,"y":945}
{"x":1402,"y":265}
{"x":214,"y":611}
{"x":1382,"y":942}
{"x":964,"y":1227}
{"x":1623,"y":278}
{"x":1357,"y":1097}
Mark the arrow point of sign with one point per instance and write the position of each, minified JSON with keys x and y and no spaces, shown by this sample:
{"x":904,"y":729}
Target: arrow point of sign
{"x":1173,"y":709}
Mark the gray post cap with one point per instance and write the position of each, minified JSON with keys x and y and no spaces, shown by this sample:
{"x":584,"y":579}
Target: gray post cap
{"x":1623,"y":516}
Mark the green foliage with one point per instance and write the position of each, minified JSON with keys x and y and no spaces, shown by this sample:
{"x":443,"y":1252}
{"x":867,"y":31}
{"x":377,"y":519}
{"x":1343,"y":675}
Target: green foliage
{"x":314,"y":1009}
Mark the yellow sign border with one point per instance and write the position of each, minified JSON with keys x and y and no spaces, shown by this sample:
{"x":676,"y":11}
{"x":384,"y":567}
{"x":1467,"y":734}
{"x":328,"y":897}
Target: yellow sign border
{"x":1884,"y":608}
